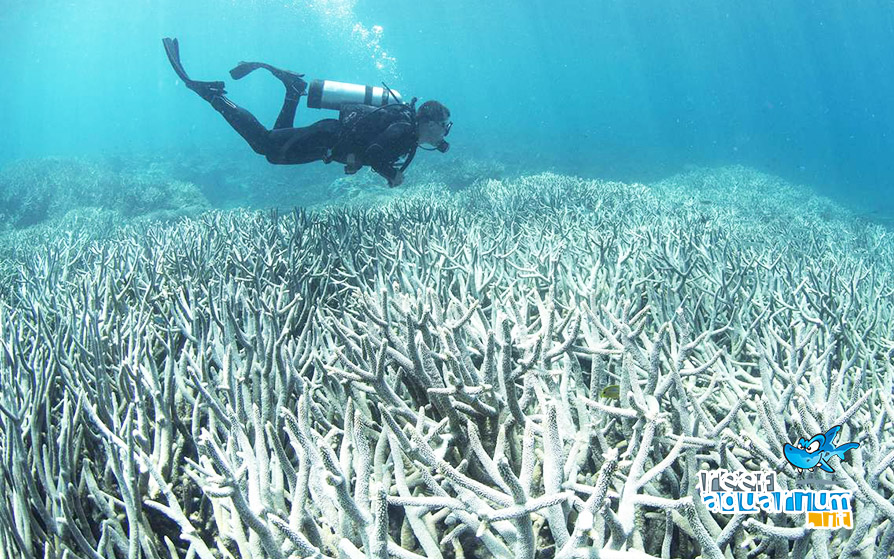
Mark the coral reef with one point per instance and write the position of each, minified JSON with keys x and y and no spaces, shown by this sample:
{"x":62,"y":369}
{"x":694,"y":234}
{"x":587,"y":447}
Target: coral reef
{"x":457,"y":172}
{"x":36,"y":191}
{"x":422,"y":378}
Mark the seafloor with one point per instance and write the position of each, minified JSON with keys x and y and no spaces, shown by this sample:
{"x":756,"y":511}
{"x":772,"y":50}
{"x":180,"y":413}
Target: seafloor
{"x":420,"y":372}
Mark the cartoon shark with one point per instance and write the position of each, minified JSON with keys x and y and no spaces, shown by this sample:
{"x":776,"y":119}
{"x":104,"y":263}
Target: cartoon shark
{"x":810,"y":454}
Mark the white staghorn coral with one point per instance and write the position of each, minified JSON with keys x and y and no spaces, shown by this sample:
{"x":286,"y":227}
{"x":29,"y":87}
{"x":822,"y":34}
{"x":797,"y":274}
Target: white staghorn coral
{"x":424,"y":379}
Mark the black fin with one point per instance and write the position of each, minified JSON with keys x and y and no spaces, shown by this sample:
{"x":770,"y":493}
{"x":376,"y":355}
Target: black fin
{"x":206,"y":90}
{"x":172,"y":49}
{"x":291,"y":80}
{"x":245,"y":68}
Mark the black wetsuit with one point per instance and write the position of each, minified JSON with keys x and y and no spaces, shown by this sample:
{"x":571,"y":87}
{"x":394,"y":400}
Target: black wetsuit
{"x":384,"y":138}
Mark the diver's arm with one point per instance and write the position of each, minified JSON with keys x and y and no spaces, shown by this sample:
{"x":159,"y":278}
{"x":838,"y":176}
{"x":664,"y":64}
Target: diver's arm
{"x":377,"y":154}
{"x":383,"y":145}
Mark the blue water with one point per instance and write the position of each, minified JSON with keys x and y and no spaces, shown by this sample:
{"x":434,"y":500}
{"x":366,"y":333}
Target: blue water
{"x":632,"y":90}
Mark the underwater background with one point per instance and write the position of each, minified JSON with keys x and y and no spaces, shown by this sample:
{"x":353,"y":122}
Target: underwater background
{"x":658,"y":253}
{"x":617,"y":90}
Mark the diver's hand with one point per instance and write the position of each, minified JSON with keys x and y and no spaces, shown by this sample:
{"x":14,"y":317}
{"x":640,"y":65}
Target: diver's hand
{"x":351,"y":164}
{"x":397,"y":180}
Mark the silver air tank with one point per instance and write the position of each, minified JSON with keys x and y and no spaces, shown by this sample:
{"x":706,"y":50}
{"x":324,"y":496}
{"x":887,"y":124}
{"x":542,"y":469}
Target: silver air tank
{"x":327,"y":94}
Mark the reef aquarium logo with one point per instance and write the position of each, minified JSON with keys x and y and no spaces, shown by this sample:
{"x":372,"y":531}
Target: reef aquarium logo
{"x":744,"y":492}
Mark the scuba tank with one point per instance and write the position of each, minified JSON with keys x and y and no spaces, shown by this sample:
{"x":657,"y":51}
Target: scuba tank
{"x":327,"y":94}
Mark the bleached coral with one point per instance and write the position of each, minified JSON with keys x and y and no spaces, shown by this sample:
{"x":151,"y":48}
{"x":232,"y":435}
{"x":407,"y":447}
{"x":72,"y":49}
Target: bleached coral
{"x":38,"y":191}
{"x":423,"y":380}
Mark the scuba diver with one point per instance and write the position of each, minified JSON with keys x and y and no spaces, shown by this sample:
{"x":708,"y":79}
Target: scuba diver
{"x":374,"y":127}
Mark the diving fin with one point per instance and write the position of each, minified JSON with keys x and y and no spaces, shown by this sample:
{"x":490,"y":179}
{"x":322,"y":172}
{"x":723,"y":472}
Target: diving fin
{"x":172,"y":49}
{"x":293,"y":82}
{"x":244,"y":68}
{"x":206,"y":90}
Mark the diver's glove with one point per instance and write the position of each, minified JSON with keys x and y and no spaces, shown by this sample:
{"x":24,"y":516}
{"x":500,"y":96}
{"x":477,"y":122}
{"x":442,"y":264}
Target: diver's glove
{"x":352,"y":165}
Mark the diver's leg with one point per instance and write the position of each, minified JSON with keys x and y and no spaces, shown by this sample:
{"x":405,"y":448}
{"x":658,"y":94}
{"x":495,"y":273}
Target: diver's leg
{"x":243,"y":122}
{"x":295,"y":88}
{"x":303,"y":145}
{"x":286,"y":118}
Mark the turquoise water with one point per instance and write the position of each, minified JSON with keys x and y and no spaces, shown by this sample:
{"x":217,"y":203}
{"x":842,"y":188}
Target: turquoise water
{"x":659,"y":247}
{"x":610,"y":89}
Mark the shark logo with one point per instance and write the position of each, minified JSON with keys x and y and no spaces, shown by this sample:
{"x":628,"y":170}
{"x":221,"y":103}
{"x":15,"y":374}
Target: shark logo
{"x":807,"y":455}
